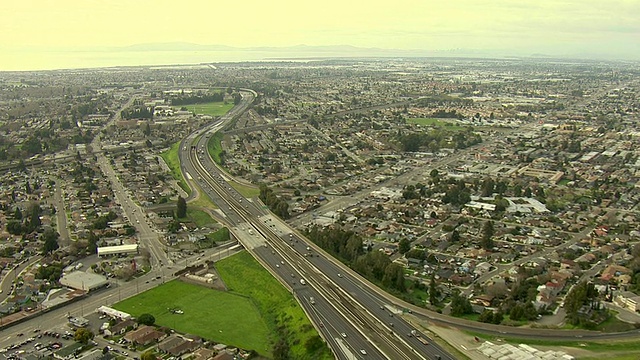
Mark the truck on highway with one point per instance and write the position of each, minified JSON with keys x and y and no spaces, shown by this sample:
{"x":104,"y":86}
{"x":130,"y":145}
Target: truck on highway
{"x":422,"y":340}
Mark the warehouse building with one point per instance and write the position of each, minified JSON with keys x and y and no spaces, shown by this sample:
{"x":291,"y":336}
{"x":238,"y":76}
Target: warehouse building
{"x":83,"y":281}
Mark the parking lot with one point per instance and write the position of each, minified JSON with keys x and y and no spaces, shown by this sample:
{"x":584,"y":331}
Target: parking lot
{"x":38,"y":344}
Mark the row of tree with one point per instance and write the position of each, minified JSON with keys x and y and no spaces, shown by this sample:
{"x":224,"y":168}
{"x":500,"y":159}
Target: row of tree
{"x":197,"y":99}
{"x":25,"y":224}
{"x":348,"y":247}
{"x":276,"y":204}
{"x":437,"y":139}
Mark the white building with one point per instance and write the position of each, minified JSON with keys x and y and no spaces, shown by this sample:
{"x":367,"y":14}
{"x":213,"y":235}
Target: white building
{"x":118,"y":250}
{"x":83,"y":281}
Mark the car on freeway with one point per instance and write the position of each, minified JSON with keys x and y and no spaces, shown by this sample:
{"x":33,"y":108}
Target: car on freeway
{"x":344,"y":335}
{"x":363,"y":352}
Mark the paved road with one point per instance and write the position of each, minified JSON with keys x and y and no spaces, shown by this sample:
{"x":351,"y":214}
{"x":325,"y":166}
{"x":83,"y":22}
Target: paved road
{"x":10,"y":275}
{"x":119,"y":291}
{"x":341,"y":304}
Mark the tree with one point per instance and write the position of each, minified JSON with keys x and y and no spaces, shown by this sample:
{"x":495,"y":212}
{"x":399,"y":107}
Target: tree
{"x":147,"y":130}
{"x":83,"y":336}
{"x":148,"y":355}
{"x":404,"y":245}
{"x":17,"y":214}
{"x":50,"y":239}
{"x":394,"y":277}
{"x":487,"y":235}
{"x":146,"y":319}
{"x":14,"y":227}
{"x":313,"y":344}
{"x":33,"y":222}
{"x":486,"y":316}
{"x":460,"y":305}
{"x":181,"y":210}
{"x":488,"y":187}
{"x":173,"y":226}
{"x":433,"y":290}
{"x":517,"y":312}
{"x":280,"y":350}
{"x":455,"y":236}
{"x":498,"y":317}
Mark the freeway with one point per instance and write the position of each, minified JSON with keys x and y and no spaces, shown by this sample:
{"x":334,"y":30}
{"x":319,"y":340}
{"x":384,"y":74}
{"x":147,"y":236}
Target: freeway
{"x":353,"y":319}
{"x":359,"y":290}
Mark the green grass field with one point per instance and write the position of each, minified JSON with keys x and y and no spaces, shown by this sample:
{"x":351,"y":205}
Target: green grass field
{"x":214,"y":146}
{"x":216,"y":315}
{"x":449,"y":125}
{"x":244,"y":190}
{"x":171,"y":158}
{"x":212,"y":108}
{"x":244,"y":275}
{"x":199,"y":217}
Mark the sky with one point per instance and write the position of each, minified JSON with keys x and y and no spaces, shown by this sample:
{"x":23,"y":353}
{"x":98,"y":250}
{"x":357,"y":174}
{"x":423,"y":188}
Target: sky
{"x":604,"y":29}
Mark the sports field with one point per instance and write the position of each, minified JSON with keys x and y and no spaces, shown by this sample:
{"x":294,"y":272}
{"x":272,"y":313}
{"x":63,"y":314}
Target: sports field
{"x":212,"y":108}
{"x":216,"y":315}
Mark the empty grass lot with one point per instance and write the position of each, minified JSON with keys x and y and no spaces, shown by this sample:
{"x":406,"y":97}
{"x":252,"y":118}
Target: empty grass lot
{"x":216,"y":315}
{"x":243,"y":275}
{"x":198,"y":217}
{"x":212,"y":108}
{"x":171,"y":158}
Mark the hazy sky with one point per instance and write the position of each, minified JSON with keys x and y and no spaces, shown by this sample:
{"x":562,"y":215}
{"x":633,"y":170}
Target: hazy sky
{"x":590,"y":28}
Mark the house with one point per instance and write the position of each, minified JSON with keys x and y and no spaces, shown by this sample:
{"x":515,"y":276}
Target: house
{"x":224,"y":356}
{"x":144,"y":335}
{"x":184,"y":347}
{"x":149,"y":338}
{"x":121,"y":327}
{"x":170,"y":342}
{"x":484,"y":300}
{"x":613,"y":271}
{"x":203,"y":354}
{"x":628,"y":300}
{"x":177,"y":346}
{"x":482,"y":268}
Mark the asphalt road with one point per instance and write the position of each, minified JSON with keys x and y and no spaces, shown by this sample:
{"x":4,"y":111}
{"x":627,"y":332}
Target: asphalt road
{"x":349,"y":306}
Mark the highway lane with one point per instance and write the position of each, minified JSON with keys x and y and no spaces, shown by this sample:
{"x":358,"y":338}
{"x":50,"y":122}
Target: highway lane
{"x":281,"y":263}
{"x":242,"y":216}
{"x":379,"y":294}
{"x":377,"y":336}
{"x":373,"y":293}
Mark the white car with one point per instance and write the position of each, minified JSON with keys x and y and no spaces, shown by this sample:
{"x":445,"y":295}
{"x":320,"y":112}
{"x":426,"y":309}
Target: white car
{"x":344,"y":335}
{"x":363,"y":352}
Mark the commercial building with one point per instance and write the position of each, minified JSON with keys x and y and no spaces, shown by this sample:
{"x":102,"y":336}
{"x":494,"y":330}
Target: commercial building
{"x":83,"y":281}
{"x":118,"y":250}
{"x":116,"y":314}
